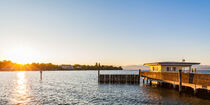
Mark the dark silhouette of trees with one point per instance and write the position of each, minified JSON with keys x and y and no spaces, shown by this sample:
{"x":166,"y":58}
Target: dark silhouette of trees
{"x":10,"y":66}
{"x":97,"y":66}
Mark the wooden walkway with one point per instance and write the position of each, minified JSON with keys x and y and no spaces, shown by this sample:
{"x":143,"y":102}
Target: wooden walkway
{"x":193,"y":80}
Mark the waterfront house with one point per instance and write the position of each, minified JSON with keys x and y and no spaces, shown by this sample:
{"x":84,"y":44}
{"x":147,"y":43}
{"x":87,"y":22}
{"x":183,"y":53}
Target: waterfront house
{"x":171,"y":66}
{"x":67,"y":67}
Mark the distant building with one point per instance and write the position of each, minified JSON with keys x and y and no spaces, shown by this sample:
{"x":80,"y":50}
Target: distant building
{"x":8,"y":68}
{"x":170,"y":66}
{"x":67,"y":67}
{"x":77,"y":67}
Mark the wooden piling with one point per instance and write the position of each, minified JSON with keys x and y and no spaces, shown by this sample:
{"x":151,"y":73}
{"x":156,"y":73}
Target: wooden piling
{"x":160,"y":83}
{"x":195,"y":90}
{"x":40,"y":74}
{"x":98,"y":72}
{"x":150,"y":82}
{"x":139,"y":76}
{"x":99,"y":76}
{"x":180,"y":81}
{"x":174,"y":86}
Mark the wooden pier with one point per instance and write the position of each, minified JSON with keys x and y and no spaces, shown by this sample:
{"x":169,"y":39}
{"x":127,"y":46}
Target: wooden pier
{"x":197,"y":84}
{"x":193,"y":80}
{"x":119,"y":78}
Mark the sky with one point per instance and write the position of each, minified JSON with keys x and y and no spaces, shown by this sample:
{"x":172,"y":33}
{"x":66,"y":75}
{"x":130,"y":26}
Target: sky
{"x":112,"y":32}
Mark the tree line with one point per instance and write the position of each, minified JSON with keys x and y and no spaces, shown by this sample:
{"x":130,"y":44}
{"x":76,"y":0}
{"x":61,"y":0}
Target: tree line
{"x":7,"y":65}
{"x":97,"y":66}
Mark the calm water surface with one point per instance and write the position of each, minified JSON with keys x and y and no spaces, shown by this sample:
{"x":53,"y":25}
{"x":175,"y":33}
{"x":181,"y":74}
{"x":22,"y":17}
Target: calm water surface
{"x":81,"y":87}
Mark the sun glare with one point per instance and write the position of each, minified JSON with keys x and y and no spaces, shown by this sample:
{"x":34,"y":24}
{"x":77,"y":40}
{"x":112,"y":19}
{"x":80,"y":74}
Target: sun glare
{"x":21,"y":55}
{"x":21,"y":92}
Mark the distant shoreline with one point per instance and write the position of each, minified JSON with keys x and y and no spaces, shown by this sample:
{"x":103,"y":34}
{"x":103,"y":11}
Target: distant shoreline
{"x":79,"y":70}
{"x":57,"y":70}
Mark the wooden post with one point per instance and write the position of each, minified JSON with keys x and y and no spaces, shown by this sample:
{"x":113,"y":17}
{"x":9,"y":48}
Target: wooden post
{"x":98,"y":66}
{"x":40,"y":74}
{"x":98,"y":75}
{"x":160,"y":83}
{"x":98,"y":72}
{"x":150,"y":82}
{"x":190,"y":69}
{"x":139,"y":75}
{"x":180,"y":81}
{"x":195,"y":91}
{"x":174,"y":86}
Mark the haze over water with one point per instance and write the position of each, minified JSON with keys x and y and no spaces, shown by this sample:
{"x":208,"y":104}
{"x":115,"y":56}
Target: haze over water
{"x":81,"y":87}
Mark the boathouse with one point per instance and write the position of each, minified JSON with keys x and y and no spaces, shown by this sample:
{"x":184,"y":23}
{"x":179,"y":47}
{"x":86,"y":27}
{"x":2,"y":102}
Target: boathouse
{"x":173,"y":73}
{"x":171,"y":66}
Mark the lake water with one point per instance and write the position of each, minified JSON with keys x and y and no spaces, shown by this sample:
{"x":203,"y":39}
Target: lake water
{"x":81,"y":87}
{"x":203,"y":71}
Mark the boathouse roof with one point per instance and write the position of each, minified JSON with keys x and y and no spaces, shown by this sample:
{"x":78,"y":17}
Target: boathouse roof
{"x":173,"y":63}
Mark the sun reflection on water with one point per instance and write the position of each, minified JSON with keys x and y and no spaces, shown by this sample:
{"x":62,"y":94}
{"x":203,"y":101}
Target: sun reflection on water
{"x":21,"y":95}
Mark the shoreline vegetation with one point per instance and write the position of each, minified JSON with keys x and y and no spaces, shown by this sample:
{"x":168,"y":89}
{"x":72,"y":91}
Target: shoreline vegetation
{"x":7,"y":65}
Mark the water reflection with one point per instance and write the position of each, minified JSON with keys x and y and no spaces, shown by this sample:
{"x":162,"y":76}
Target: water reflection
{"x":81,"y":87}
{"x":20,"y":95}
